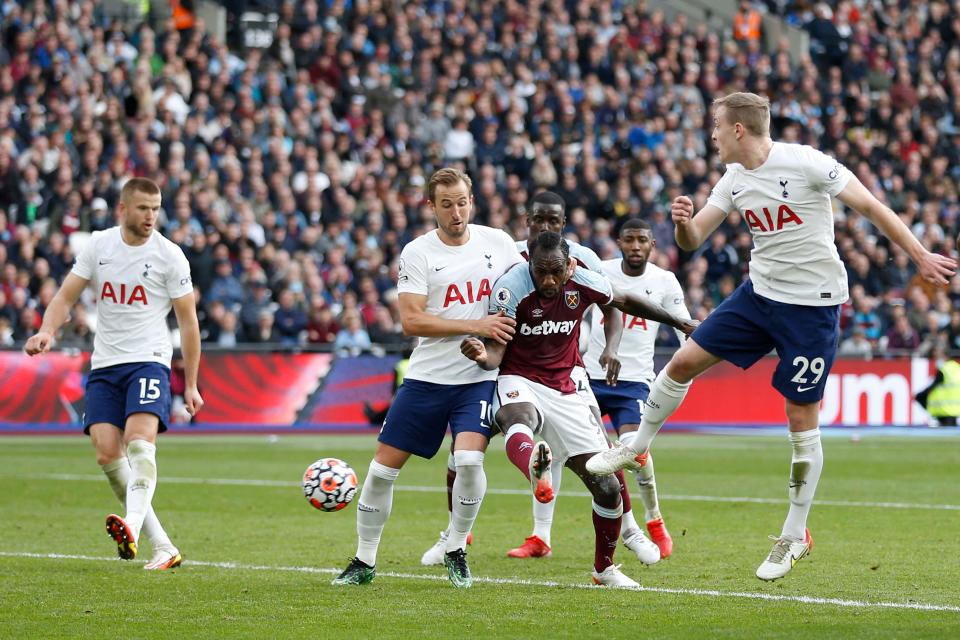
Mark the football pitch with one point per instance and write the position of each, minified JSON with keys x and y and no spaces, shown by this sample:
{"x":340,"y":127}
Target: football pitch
{"x":259,"y":559}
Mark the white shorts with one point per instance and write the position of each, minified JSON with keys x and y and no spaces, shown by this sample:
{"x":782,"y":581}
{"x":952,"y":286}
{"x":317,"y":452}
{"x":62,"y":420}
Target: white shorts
{"x":565,"y":420}
{"x":581,"y":381}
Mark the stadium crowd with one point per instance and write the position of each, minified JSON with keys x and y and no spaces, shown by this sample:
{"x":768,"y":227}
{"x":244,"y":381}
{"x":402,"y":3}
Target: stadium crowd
{"x":293,"y":175}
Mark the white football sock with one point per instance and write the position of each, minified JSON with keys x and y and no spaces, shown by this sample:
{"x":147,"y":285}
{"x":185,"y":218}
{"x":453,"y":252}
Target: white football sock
{"x":118,"y":474}
{"x":142,"y":456}
{"x":543,"y":511}
{"x":666,"y":394}
{"x":647,"y":482}
{"x":468,"y":491}
{"x":373,"y":509}
{"x":805,"y":470}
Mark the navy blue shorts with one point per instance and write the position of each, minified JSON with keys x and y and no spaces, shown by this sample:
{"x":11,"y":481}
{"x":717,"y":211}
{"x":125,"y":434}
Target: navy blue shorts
{"x":113,"y":393}
{"x":623,"y":403}
{"x":746,"y":327}
{"x":418,"y":418}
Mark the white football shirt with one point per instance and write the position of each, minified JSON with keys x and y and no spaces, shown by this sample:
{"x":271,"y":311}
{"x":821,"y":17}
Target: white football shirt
{"x":786,"y":204}
{"x":639,"y":334}
{"x":457,"y":282}
{"x":134,"y":287}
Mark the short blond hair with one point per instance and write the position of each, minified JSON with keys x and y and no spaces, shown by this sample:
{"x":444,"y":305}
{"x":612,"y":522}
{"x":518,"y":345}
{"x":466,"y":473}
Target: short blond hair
{"x":139,"y":185}
{"x":448,"y":176}
{"x":749,"y":109}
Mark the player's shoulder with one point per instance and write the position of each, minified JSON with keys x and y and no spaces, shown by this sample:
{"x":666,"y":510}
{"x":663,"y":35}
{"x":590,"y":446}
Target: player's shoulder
{"x":585,"y":255}
{"x":593,"y":279}
{"x":419,"y":245}
{"x":521,"y":245}
{"x":513,"y":286}
{"x":167,"y":246}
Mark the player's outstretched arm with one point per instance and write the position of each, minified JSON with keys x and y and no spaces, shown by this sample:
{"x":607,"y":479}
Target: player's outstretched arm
{"x":417,"y":322}
{"x":691,"y":230}
{"x":612,"y":332}
{"x":933,"y":267}
{"x":186,"y":310}
{"x":643,"y":308}
{"x":487,"y":353}
{"x":56,"y":314}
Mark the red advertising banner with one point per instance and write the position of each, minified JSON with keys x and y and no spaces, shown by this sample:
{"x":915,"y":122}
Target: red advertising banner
{"x":858,"y":392}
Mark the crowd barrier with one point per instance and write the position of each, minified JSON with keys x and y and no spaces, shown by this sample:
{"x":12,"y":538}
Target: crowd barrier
{"x":277,"y":392}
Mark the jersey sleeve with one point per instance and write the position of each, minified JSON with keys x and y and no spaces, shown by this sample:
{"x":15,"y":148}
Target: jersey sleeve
{"x":511,"y":249}
{"x":179,"y":282}
{"x":84,"y":265}
{"x":720,"y":196}
{"x":825,"y":173}
{"x":588,"y":257}
{"x":597,"y":286}
{"x":505,"y":296}
{"x":673,"y":302}
{"x":412,"y":277}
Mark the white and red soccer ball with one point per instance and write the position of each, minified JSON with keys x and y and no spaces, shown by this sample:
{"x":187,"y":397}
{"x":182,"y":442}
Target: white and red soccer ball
{"x":329,"y":484}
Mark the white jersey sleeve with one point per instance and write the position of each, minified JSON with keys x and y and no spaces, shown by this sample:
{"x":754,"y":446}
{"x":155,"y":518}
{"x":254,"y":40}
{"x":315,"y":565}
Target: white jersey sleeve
{"x":85,"y":264}
{"x":720,"y":195}
{"x":412,"y":275}
{"x":179,"y":281}
{"x":825,"y":173}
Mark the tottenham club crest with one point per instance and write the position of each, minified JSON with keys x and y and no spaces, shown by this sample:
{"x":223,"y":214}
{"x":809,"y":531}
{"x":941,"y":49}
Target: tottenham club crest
{"x":572,"y":298}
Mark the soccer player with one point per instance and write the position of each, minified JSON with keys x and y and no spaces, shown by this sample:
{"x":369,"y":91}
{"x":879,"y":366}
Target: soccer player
{"x":137,"y":275}
{"x":790,"y":303}
{"x":623,"y":402}
{"x":548,"y":298}
{"x":548,"y":213}
{"x":445,"y":282}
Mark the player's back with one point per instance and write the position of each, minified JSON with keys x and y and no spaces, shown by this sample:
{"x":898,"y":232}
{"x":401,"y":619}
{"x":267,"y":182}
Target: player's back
{"x":457,"y":281}
{"x":134,"y":287}
{"x":544,"y":348}
{"x":639,"y":334}
{"x":786,"y":205}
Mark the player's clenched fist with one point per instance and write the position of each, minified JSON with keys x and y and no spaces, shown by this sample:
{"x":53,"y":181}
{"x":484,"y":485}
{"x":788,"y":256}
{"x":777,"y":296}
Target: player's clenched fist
{"x":681,"y":210}
{"x":496,"y":326}
{"x":473,"y":348}
{"x":689,"y":326}
{"x":38,"y":343}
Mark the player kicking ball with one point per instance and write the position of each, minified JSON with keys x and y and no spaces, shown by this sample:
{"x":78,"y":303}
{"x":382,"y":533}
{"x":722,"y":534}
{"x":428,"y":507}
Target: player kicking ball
{"x":790,"y":303}
{"x":137,"y":275}
{"x":548,"y":298}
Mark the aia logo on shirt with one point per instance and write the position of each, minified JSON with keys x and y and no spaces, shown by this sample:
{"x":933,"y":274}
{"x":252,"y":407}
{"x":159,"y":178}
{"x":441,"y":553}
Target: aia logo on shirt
{"x":765,"y":221}
{"x":466,"y":293}
{"x":120,"y":294}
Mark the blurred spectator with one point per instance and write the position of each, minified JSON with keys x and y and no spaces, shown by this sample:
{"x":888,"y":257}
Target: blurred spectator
{"x":352,"y":338}
{"x":747,"y":23}
{"x":856,"y":345}
{"x":322,"y":327}
{"x":901,"y":336}
{"x":290,"y":321}
{"x":225,"y":288}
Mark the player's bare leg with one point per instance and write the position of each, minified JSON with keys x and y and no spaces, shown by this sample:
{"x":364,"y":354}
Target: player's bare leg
{"x":806,"y":464}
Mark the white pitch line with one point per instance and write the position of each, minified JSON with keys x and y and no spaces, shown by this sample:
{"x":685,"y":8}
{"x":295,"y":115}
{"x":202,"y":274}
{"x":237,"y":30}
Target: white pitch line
{"x":505,"y":492}
{"x":711,"y":593}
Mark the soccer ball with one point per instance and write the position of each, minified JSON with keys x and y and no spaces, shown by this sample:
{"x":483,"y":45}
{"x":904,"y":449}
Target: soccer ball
{"x":329,"y":484}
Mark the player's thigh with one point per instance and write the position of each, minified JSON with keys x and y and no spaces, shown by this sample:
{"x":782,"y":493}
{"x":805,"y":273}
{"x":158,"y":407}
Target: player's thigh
{"x":417,"y":420}
{"x":570,"y":427}
{"x":737,"y":331}
{"x":514,"y":402}
{"x":470,"y":416}
{"x":147,"y":401}
{"x":807,"y":345}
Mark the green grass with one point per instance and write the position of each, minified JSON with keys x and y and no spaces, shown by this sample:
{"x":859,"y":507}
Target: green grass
{"x":284,"y":553}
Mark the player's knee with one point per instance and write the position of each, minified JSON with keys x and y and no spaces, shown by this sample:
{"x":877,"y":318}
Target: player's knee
{"x":106,"y":457}
{"x":605,"y":490}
